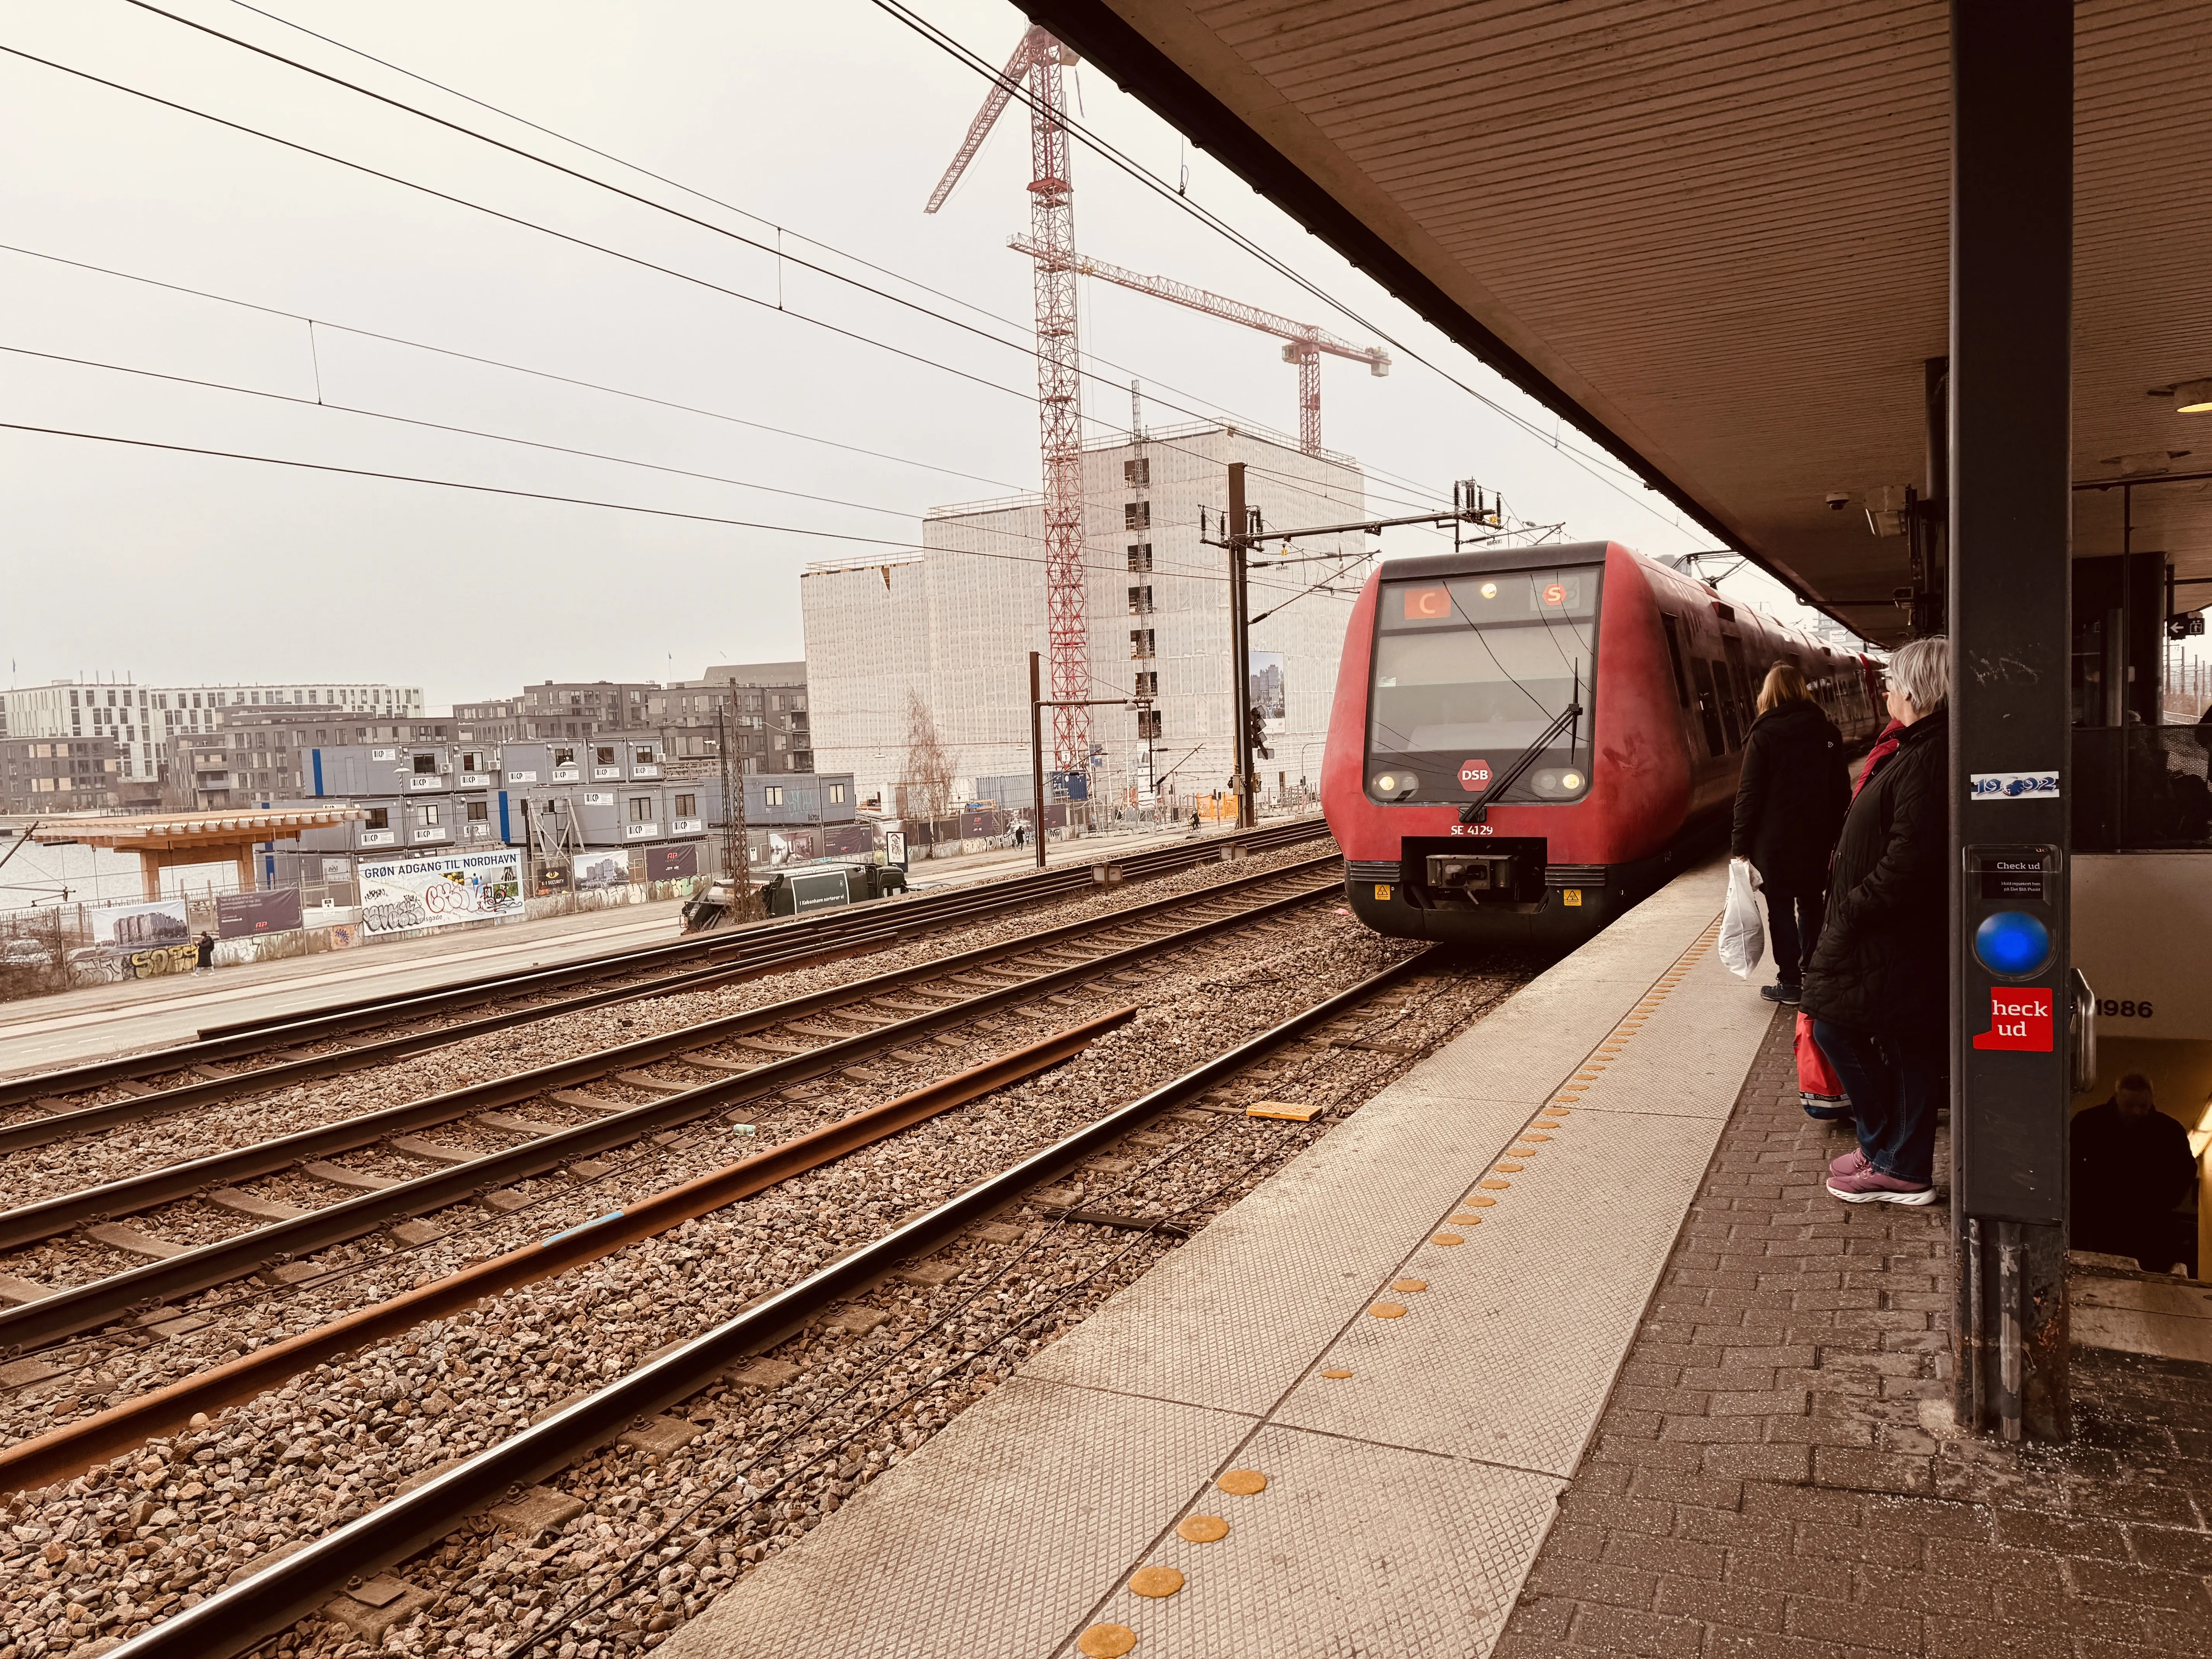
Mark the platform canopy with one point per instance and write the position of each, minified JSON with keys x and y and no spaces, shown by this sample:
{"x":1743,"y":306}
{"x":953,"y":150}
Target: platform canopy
{"x":1714,"y":236}
{"x":165,"y":841}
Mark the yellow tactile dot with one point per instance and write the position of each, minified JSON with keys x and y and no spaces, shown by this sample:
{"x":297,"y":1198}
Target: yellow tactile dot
{"x":1553,"y":1126}
{"x":1408,"y":1286}
{"x":1106,"y":1642}
{"x":1388,"y":1310}
{"x":1588,"y":1077}
{"x":1506,"y":1169}
{"x":1542,"y":1123}
{"x":1470,"y":1220}
{"x":1522,"y":1152}
{"x":1448,"y":1238}
{"x":1558,"y":1111}
{"x":1209,"y":1528}
{"x":1155,"y":1581}
{"x":1497,"y":1185}
{"x":1242,"y":1483}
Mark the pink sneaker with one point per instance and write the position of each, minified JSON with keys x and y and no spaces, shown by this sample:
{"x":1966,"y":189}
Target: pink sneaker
{"x":1870,"y":1186}
{"x":1850,"y":1163}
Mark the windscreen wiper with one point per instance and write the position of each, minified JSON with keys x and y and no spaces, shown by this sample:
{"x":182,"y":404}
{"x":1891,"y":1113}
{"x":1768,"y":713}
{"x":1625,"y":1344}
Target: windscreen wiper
{"x":1478,"y":810}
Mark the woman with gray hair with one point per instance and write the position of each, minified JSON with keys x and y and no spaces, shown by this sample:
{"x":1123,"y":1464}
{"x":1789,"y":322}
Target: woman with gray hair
{"x":1877,"y":986}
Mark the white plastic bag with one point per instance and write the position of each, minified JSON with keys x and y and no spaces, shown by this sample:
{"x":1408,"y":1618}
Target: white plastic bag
{"x":1743,"y":931}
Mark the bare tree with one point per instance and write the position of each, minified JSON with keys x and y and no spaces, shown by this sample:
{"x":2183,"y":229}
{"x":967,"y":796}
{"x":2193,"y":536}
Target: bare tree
{"x":927,"y":791}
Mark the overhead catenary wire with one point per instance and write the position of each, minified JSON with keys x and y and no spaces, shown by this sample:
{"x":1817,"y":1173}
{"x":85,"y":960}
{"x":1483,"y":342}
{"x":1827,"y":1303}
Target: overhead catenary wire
{"x":536,"y":495}
{"x":314,"y":321}
{"x":1425,"y":493}
{"x":585,"y":242}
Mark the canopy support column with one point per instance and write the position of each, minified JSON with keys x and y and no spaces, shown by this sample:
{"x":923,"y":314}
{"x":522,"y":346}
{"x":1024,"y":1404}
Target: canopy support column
{"x":2012,"y":88}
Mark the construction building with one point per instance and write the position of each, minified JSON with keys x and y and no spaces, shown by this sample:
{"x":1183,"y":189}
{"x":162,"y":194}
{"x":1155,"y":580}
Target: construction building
{"x":950,"y":629}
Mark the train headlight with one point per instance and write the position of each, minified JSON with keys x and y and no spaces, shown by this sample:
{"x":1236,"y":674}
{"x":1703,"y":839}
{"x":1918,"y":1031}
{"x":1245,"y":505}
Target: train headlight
{"x":1571,"y":780}
{"x":1490,"y":590}
{"x":1394,"y":783}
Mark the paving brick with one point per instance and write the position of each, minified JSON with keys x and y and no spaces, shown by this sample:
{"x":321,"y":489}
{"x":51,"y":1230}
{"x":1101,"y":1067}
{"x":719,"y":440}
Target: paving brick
{"x":1685,"y":1489}
{"x":1673,"y":1558}
{"x":1899,"y":1591}
{"x":2121,"y":1581}
{"x":1612,"y":1512}
{"x":1592,"y":1582}
{"x":2032,"y":1529}
{"x":1625,"y":1631}
{"x":1897,"y":1631}
{"x":1737,"y":1605}
{"x":1726,"y":1526}
{"x":1759,"y":1463}
{"x":2166,"y":1548}
{"x":1791,"y":1573}
{"x":1539,"y":1626}
{"x":1858,"y":1544}
{"x":1808,"y":1504}
{"x":1733,"y":1642}
{"x":1872,"y":1471}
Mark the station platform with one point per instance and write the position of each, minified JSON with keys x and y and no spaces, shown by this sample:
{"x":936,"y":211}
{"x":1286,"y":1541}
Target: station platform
{"x":1411,"y":1333}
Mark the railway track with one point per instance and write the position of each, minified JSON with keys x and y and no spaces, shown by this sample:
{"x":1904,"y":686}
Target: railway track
{"x":608,"y":1515}
{"x":268,"y":1054}
{"x":867,"y":1031}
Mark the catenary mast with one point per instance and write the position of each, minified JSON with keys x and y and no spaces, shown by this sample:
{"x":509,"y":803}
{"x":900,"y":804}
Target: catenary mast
{"x":1038,"y":60}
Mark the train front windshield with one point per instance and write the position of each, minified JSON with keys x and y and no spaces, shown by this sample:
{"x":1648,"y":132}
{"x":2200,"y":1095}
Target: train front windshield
{"x":1470,"y":672}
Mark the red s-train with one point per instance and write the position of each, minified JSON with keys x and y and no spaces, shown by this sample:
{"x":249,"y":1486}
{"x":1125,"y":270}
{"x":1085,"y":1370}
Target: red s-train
{"x":1527,"y":741}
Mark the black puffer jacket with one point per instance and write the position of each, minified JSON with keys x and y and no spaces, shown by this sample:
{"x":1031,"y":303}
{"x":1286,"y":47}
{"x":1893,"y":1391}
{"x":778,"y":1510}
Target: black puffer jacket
{"x":1789,"y":801}
{"x":1882,"y":962}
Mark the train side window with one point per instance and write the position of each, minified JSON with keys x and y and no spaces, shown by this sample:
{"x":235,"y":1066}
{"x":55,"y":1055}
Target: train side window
{"x":1708,"y":704}
{"x":1728,"y":694}
{"x":1673,"y":627}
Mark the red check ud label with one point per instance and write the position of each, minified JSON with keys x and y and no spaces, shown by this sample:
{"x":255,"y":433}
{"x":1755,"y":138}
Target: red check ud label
{"x":2019,"y":1020}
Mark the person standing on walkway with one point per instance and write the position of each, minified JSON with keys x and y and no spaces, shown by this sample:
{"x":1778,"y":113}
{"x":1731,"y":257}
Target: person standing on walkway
{"x":205,"y":959}
{"x":1878,"y":987}
{"x":1789,"y":804}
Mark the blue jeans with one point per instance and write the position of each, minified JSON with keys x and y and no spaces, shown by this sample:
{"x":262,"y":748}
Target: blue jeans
{"x":1894,"y":1084}
{"x":1794,"y":919}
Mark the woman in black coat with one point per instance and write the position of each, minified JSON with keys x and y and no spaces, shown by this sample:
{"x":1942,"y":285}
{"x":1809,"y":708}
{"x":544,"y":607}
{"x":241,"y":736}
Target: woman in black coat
{"x":1789,"y":806}
{"x":1878,"y":987}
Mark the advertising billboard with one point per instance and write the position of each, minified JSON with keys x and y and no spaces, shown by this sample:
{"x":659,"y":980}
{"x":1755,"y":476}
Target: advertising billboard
{"x":400,"y":894}
{"x":237,"y":915}
{"x":678,"y":863}
{"x":596,"y":870}
{"x":129,"y":927}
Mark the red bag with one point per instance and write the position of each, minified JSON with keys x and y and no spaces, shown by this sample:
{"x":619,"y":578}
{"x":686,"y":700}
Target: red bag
{"x":1819,"y":1091}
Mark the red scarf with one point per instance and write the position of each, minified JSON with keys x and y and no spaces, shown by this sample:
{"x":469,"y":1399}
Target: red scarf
{"x":1884,"y":747}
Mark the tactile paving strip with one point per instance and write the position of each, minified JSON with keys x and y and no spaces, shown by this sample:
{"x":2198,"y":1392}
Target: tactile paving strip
{"x":1459,"y":1420}
{"x":989,"y":1544}
{"x":1352,"y":1550}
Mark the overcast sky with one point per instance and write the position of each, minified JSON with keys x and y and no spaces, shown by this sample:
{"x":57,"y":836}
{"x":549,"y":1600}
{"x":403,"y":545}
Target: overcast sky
{"x":831,"y":120}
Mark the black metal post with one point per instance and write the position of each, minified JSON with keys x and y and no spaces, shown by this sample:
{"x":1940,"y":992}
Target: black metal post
{"x":1240,"y":646}
{"x":1037,"y":760}
{"x":2012,"y":90}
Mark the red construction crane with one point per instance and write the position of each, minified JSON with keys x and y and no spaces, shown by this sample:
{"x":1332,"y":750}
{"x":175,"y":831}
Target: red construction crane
{"x":1038,"y":60}
{"x":1303,"y":344}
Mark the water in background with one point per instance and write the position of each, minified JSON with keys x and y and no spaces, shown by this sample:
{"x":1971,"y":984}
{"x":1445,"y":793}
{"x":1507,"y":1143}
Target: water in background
{"x":35,"y":875}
